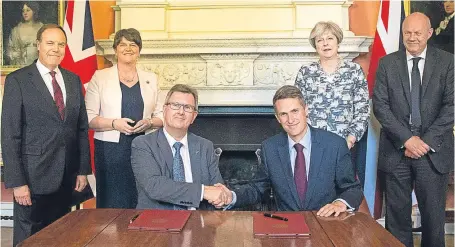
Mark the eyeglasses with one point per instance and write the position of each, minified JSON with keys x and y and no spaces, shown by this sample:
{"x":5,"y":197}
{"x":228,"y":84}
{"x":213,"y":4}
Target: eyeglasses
{"x":186,"y":107}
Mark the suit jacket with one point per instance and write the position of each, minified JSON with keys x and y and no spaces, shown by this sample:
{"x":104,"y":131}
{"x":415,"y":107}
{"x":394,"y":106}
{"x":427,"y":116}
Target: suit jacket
{"x":38,"y":147}
{"x":104,"y":98}
{"x":392,"y":107}
{"x":152,"y":159}
{"x":331,"y":174}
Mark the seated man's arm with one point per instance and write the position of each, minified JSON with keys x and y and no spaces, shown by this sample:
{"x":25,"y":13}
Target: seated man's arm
{"x":349,"y":192}
{"x":348,"y":186}
{"x":150,"y":177}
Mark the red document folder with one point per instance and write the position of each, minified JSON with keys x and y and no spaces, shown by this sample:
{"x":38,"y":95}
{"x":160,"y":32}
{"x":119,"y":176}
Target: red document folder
{"x":161,"y":220}
{"x":270,"y":227}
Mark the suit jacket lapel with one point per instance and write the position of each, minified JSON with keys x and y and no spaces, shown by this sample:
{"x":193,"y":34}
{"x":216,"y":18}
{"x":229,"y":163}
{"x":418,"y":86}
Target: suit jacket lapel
{"x":36,"y":79}
{"x":165,"y":150}
{"x":430,"y":63}
{"x":195,"y":158}
{"x":317,"y":152}
{"x":70,"y":94}
{"x":283,"y":151}
{"x":404,"y":74}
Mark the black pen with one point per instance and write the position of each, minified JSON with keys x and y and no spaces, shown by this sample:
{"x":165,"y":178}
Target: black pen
{"x":275,"y":217}
{"x":134,"y":218}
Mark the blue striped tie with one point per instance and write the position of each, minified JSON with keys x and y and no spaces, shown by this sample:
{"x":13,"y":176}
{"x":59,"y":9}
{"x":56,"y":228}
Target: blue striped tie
{"x":178,"y":170}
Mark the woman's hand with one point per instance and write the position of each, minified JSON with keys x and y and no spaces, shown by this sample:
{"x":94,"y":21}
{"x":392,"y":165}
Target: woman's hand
{"x":121,"y":124}
{"x":350,"y":141}
{"x":142,"y":126}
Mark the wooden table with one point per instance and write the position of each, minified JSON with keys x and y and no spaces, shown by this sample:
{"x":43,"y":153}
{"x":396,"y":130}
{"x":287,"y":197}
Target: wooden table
{"x":108,"y":227}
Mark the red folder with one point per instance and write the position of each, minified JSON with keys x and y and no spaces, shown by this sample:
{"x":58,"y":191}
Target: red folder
{"x":271,"y":227}
{"x":161,"y":220}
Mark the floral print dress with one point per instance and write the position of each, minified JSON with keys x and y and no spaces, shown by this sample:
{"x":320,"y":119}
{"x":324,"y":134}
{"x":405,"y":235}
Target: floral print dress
{"x":337,"y":102}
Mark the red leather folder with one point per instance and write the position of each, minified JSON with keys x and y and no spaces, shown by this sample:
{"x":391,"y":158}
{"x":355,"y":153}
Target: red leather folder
{"x":270,"y":227}
{"x":161,"y":220}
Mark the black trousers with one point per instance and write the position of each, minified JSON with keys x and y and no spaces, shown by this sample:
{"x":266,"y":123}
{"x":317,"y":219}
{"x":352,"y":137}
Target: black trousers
{"x":430,"y":189}
{"x":44,"y":210}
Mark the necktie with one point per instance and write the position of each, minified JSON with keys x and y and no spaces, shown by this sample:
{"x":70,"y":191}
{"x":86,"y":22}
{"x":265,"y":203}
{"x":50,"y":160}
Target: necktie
{"x":178,"y":170}
{"x":300,"y":172}
{"x":58,"y":96}
{"x":416,"y":119}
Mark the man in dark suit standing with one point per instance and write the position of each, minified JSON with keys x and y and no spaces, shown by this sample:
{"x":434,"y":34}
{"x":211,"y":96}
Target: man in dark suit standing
{"x":307,"y":168}
{"x":44,"y":136}
{"x":413,"y":101}
{"x":175,"y":169}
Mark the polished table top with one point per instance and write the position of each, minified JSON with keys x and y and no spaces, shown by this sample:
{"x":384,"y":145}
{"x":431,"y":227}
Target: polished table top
{"x":108,"y":227}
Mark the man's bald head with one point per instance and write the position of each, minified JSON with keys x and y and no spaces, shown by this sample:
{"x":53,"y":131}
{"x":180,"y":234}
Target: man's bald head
{"x":416,"y":32}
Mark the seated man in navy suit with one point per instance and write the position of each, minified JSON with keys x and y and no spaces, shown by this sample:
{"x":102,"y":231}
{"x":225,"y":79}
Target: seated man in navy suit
{"x":307,"y":168}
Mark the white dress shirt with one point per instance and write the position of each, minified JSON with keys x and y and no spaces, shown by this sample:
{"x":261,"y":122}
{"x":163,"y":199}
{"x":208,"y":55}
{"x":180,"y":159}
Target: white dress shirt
{"x":421,"y":65}
{"x":185,"y":153}
{"x":45,"y":74}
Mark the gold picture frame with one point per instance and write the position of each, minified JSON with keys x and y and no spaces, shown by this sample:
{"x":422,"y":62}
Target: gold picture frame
{"x":10,"y":19}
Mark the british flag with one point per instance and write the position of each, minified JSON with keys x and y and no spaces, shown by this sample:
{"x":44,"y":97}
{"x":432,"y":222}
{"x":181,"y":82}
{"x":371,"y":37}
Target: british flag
{"x":387,"y":40}
{"x":80,"y":56}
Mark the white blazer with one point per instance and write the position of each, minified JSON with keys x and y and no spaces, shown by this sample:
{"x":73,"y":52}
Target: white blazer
{"x":104,"y":98}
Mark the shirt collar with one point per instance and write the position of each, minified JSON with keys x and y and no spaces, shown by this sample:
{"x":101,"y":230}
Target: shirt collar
{"x":171,"y":140}
{"x":422,"y":55}
{"x":305,"y":141}
{"x":43,"y":70}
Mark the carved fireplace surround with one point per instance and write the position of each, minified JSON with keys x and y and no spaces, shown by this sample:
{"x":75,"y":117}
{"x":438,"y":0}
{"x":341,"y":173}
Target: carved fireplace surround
{"x":234,"y":62}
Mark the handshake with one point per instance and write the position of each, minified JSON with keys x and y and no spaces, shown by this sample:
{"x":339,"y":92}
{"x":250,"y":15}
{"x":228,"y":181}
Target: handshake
{"x":218,"y":195}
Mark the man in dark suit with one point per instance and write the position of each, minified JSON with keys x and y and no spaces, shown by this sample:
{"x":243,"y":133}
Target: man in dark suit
{"x":307,"y":168}
{"x":44,"y":136}
{"x":174,"y":169}
{"x":413,"y":101}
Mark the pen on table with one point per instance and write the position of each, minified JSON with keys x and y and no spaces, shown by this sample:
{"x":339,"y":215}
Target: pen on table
{"x":275,"y":217}
{"x":134,"y":218}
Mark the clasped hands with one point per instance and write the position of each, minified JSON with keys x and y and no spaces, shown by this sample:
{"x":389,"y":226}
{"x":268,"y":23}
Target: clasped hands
{"x":415,"y":148}
{"x":123,"y":125}
{"x":218,"y":195}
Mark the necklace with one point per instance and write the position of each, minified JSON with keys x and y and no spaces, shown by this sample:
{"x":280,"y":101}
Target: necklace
{"x":334,"y":71}
{"x":126,"y":79}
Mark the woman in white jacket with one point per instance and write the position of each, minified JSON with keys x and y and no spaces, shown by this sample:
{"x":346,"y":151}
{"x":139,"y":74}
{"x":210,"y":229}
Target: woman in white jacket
{"x":122,"y":103}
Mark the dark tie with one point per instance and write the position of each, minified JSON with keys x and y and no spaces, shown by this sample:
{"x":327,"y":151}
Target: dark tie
{"x":58,"y":96}
{"x":178,"y":170}
{"x":300,"y":172}
{"x":416,"y":119}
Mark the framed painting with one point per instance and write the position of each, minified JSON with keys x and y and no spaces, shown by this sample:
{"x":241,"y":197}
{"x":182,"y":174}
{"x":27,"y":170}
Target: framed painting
{"x":441,"y":14}
{"x":20,"y":21}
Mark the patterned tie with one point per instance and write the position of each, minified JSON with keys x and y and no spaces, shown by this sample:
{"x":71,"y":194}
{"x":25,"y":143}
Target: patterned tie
{"x":416,"y":119}
{"x":178,"y":170}
{"x":300,"y":172}
{"x":58,"y":96}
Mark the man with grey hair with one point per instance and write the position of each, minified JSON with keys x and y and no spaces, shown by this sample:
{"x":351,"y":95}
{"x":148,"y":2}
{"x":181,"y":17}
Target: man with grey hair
{"x":413,"y":101}
{"x":174,"y":169}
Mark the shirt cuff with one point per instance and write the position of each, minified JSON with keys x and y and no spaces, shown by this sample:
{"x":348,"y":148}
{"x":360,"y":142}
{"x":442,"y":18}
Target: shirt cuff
{"x":202,"y":192}
{"x":234,"y":200}
{"x":349,"y":208}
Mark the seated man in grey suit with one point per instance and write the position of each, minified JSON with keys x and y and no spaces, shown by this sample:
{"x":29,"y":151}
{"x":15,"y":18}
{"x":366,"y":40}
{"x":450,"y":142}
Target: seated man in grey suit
{"x":174,"y":168}
{"x":307,"y":168}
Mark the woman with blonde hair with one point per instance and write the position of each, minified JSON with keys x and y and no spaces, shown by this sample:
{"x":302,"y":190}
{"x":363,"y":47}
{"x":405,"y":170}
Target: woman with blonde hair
{"x":122,"y":103}
{"x":335,"y":90}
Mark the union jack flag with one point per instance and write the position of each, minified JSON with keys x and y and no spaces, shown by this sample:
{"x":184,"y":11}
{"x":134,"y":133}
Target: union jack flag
{"x":80,"y":55}
{"x":387,"y":39}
